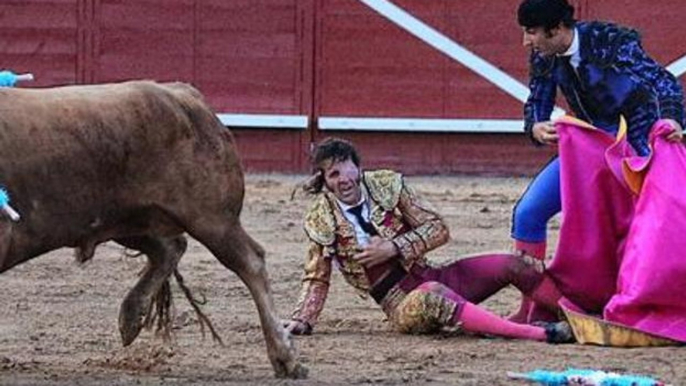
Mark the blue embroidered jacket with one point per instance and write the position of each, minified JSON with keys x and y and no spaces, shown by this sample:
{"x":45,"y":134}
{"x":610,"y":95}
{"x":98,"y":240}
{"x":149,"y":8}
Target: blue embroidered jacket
{"x":614,"y":77}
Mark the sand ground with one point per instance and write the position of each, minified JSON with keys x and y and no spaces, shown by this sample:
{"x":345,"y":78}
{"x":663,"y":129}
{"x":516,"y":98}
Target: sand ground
{"x":58,"y":320}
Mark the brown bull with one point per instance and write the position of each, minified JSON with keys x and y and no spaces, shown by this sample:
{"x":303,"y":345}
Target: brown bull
{"x":139,"y":163}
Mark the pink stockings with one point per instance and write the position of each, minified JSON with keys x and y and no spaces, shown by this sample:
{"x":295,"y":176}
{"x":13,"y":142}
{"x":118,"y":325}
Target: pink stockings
{"x":469,"y":281}
{"x":475,"y":319}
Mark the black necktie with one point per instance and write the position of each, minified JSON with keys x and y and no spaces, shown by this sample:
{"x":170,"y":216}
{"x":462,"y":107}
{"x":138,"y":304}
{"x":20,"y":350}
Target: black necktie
{"x":366,"y":225}
{"x":579,"y":89}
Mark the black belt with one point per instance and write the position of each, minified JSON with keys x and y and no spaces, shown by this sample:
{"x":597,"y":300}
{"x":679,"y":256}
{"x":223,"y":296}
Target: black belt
{"x":380,"y":289}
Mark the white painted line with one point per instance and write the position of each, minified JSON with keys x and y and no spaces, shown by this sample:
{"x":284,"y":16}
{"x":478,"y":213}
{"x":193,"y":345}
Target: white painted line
{"x":422,"y":124}
{"x":678,"y":67}
{"x":450,"y":48}
{"x":265,"y":120}
{"x":447,"y":46}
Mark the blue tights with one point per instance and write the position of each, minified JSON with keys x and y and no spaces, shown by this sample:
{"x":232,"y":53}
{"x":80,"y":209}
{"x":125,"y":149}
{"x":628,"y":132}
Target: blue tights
{"x":539,"y":203}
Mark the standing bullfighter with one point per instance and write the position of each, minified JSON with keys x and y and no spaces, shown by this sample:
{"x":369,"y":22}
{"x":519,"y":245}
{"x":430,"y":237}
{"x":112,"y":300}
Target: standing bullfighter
{"x":604,"y":73}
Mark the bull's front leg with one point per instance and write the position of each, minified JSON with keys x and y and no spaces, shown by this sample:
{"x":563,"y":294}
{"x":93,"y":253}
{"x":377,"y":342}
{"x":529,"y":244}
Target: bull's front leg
{"x":241,"y":254}
{"x":279,"y":344}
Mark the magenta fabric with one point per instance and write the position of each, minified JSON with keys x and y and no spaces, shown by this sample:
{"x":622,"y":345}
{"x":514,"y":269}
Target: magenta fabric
{"x":622,"y":240}
{"x":478,"y":277}
{"x":651,"y":293}
{"x":596,"y":213}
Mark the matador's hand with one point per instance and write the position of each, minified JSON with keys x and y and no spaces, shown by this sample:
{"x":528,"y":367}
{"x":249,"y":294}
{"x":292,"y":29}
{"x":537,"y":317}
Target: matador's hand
{"x":545,"y":133}
{"x":378,"y":251}
{"x":677,"y":135}
{"x":297,"y":327}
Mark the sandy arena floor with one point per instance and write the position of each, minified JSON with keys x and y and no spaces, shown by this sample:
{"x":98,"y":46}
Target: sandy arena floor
{"x":58,"y":320}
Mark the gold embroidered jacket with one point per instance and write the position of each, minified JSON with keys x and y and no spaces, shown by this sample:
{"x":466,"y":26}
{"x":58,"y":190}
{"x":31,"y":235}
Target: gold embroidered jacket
{"x":397,"y":214}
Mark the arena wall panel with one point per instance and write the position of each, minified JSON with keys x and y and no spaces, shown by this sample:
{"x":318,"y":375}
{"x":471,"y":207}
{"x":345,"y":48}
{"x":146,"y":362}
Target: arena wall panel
{"x":424,"y":86}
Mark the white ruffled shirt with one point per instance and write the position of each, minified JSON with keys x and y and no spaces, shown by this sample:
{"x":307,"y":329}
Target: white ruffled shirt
{"x":573,"y":51}
{"x":361,"y":236}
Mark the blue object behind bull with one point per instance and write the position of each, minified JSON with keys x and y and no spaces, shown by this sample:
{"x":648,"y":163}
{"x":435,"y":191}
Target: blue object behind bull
{"x":7,"y":78}
{"x":589,"y":377}
{"x":4,"y":197}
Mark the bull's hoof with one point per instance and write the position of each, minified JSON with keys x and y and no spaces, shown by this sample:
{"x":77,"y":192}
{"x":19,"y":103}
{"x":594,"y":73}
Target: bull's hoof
{"x":130,"y":323}
{"x":129,"y":333}
{"x":295,"y":371}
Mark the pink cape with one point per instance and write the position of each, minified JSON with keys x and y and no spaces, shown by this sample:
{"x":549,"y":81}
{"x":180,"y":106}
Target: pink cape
{"x":623,"y":232}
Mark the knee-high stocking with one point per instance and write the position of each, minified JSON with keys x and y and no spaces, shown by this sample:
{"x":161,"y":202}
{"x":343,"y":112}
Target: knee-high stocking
{"x":476,"y":319}
{"x":537,"y":251}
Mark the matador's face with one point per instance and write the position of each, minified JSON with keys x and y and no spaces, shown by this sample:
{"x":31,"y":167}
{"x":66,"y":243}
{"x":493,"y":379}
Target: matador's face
{"x":342,"y":178}
{"x":547,"y":43}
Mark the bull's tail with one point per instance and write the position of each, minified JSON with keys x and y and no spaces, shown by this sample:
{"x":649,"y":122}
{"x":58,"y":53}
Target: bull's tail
{"x":161,"y":315}
{"x":202,"y":318}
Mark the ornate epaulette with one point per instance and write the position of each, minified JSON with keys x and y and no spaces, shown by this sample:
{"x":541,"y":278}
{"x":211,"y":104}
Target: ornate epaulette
{"x":384,"y":186}
{"x":320,"y":225}
{"x":603,"y":41}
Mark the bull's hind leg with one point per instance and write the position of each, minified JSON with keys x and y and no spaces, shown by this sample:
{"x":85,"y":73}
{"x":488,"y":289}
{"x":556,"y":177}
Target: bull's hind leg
{"x":163,"y":256}
{"x":236,"y":250}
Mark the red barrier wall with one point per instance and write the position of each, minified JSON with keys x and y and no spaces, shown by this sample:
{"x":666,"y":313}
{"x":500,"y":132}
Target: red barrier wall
{"x":318,"y":59}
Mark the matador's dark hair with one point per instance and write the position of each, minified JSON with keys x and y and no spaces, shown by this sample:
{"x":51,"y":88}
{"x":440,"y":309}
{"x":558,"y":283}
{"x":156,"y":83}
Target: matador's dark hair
{"x":334,"y":149}
{"x":545,"y":13}
{"x":330,"y":149}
